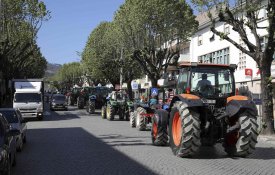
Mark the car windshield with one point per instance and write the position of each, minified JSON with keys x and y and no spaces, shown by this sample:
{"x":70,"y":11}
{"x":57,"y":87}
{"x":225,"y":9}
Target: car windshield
{"x":10,"y":116}
{"x":27,"y":97}
{"x":59,"y":98}
{"x":211,"y":82}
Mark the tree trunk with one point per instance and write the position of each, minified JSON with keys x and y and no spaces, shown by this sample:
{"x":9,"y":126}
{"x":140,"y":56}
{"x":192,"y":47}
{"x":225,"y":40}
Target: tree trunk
{"x":154,"y":82}
{"x":129,"y":89}
{"x":267,"y":100}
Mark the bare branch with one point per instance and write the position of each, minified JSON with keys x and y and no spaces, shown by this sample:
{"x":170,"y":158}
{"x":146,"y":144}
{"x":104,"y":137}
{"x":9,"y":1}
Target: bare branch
{"x":220,"y":34}
{"x":238,"y":26}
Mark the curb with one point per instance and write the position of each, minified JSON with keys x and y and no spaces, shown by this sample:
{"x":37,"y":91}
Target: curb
{"x":268,"y":139}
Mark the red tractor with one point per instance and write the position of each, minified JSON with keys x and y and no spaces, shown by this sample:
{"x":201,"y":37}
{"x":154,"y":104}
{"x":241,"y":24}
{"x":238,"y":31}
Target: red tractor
{"x":206,"y":111}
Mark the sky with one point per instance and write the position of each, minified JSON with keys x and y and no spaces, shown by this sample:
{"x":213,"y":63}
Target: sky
{"x":71,"y":23}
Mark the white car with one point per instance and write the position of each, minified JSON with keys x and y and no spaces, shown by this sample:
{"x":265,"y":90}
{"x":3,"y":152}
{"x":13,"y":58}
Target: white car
{"x":16,"y":121}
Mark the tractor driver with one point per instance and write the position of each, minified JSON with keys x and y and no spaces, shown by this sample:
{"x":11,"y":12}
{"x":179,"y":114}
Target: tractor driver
{"x":203,"y":85}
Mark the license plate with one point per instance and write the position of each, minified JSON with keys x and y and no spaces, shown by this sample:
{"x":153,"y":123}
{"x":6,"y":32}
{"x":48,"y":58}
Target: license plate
{"x":209,"y":101}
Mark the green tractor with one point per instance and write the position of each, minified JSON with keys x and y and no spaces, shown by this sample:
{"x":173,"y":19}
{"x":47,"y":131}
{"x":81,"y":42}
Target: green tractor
{"x":96,"y":98}
{"x":117,"y":104}
{"x":206,"y":110}
{"x":73,"y":95}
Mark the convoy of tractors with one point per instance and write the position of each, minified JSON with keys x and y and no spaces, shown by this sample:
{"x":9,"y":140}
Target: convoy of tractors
{"x":198,"y":107}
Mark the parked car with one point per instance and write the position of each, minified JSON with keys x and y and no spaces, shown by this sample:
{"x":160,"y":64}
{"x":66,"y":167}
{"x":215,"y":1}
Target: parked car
{"x":15,"y":119}
{"x":7,"y":146}
{"x":58,"y":101}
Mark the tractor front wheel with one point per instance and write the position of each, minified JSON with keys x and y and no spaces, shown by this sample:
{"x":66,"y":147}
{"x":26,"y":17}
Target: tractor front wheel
{"x":110,"y":112}
{"x":184,"y":130}
{"x":159,"y":131}
{"x":133,"y":119}
{"x":141,"y":119}
{"x":103,"y":112}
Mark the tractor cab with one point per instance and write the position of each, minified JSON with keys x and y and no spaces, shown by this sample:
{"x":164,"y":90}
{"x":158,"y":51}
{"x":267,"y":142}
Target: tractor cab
{"x":207,"y":80}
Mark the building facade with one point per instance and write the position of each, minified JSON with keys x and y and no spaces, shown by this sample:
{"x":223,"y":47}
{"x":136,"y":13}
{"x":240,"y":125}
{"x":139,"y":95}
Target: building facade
{"x":207,"y":47}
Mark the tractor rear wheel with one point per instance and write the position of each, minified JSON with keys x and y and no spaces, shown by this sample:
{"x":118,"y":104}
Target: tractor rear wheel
{"x":127,"y":115}
{"x":184,"y":130}
{"x":159,"y":131}
{"x":70,"y":101}
{"x":242,"y":142}
{"x":110,"y":112}
{"x":133,"y":119}
{"x":103,"y":112}
{"x":91,"y":107}
{"x":140,"y":119}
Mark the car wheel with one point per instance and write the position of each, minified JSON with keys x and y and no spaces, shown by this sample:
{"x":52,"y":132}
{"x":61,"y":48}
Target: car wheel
{"x":25,"y":139}
{"x":20,"y":146}
{"x":14,"y":160}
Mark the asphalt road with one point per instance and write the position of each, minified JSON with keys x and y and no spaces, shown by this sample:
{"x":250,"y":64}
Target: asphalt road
{"x":75,"y":143}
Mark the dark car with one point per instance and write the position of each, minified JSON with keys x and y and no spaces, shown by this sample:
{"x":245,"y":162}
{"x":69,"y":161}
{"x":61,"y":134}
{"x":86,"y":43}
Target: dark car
{"x":7,"y":146}
{"x":14,"y":117}
{"x":58,"y":101}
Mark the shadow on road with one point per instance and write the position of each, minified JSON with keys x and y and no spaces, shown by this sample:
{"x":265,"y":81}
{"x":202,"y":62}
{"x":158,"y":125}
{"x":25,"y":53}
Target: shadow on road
{"x":72,"y":151}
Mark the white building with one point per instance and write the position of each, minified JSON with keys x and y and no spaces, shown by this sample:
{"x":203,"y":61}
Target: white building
{"x":209,"y":48}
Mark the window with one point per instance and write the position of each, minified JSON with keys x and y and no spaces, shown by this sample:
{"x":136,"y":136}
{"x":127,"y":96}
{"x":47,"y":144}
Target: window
{"x":263,"y":41}
{"x":226,"y":29}
{"x":199,"y":40}
{"x":217,"y":57}
{"x":182,"y":82}
{"x":242,"y":57}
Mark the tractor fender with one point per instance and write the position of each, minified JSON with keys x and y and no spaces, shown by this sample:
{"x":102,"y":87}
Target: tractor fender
{"x":189,"y":99}
{"x":234,"y":106}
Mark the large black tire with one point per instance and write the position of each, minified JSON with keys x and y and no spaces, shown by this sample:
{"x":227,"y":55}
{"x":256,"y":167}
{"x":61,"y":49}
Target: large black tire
{"x":110,"y":112}
{"x":245,"y":138}
{"x":91,"y":107}
{"x":140,"y":119}
{"x":127,"y":114}
{"x":133,"y":119}
{"x":159,"y":131}
{"x":103,"y":112}
{"x":70,"y":101}
{"x":184,"y":130}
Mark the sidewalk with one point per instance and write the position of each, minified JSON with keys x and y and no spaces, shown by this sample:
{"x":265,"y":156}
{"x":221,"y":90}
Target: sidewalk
{"x":268,"y":139}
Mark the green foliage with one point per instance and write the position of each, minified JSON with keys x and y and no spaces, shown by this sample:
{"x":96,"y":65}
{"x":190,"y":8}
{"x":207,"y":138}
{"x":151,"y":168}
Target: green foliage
{"x":145,"y":26}
{"x":19,"y":23}
{"x":69,"y":74}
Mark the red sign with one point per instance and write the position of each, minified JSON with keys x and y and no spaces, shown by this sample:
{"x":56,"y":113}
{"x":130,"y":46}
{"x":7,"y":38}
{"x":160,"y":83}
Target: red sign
{"x":117,"y":87}
{"x":248,"y":72}
{"x":258,"y":72}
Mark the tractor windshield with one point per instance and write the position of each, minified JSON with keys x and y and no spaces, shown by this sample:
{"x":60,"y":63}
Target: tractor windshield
{"x":211,"y":82}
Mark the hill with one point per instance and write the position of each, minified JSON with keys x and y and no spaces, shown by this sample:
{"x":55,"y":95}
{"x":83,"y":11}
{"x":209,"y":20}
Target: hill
{"x":52,"y":69}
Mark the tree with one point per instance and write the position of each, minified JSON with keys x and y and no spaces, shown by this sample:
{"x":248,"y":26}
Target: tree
{"x":69,"y":74}
{"x":100,"y":54}
{"x":19,"y":24}
{"x":149,"y":26}
{"x":244,"y":18}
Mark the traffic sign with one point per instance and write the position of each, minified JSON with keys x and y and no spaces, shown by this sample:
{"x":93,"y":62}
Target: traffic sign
{"x":134,"y":85}
{"x":154,"y":91}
